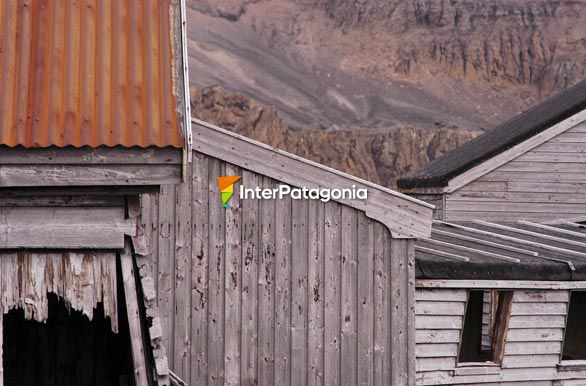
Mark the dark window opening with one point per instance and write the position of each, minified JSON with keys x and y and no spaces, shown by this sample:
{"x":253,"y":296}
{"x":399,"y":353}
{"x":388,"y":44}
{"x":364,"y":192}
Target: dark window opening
{"x":575,"y":334}
{"x":68,"y":349}
{"x":485,"y":325}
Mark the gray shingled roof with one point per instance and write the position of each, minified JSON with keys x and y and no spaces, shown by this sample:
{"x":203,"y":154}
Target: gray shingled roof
{"x":523,"y":126}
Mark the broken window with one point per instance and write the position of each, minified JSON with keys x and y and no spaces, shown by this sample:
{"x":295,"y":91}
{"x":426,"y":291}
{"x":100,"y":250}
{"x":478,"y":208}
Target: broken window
{"x":575,"y":334}
{"x":485,"y":326}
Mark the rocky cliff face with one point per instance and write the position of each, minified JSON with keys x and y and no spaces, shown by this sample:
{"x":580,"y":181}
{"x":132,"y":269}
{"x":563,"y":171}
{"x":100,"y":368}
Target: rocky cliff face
{"x":378,"y":157}
{"x":502,"y":42}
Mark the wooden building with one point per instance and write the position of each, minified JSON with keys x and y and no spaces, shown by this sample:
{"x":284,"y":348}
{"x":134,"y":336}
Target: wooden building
{"x":118,"y":260}
{"x":501,"y":284}
{"x":282,"y":291}
{"x":532,"y":167}
{"x":92,"y":114}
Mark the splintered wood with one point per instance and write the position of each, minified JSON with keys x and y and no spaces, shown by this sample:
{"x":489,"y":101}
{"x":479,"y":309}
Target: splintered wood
{"x":82,"y":279}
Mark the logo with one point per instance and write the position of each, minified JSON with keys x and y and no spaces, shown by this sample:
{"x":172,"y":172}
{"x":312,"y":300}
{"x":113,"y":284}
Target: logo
{"x":226,"y":185}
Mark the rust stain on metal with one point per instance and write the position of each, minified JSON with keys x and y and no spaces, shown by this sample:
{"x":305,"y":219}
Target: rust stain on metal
{"x":88,"y":73}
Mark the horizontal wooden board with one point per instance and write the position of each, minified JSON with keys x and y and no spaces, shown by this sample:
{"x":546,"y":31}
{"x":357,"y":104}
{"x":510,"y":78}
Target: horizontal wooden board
{"x":433,"y":322}
{"x":532,"y":166}
{"x":524,"y":207}
{"x":500,"y":216}
{"x":64,"y":227}
{"x":436,"y":350}
{"x":69,"y":201}
{"x":59,"y":175}
{"x":518,"y":197}
{"x":432,"y":364}
{"x":91,"y":156}
{"x":439,"y":308}
{"x":437,"y":336}
{"x":539,"y":308}
{"x":532,"y":348}
{"x":440,"y":295}
{"x":561,"y":147}
{"x":534,"y":334}
{"x":541,"y":296}
{"x":529,"y":361}
{"x":537,"y":321}
{"x":536,"y":176}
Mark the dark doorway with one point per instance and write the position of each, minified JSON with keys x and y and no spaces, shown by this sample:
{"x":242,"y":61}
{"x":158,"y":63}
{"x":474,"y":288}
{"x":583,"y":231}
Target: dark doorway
{"x":67,"y":350}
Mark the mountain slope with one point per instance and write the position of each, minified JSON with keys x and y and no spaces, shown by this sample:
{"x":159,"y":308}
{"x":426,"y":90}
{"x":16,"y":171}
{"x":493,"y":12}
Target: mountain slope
{"x":378,"y":157}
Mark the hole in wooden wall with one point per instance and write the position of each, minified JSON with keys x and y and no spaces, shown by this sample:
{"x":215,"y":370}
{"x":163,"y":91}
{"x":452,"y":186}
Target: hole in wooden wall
{"x":575,"y":334}
{"x":68,"y":349}
{"x":485,"y":326}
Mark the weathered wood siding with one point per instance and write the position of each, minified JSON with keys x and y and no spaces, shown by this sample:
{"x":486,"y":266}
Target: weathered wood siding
{"x":82,"y":279}
{"x":545,"y":183}
{"x":283,"y":292}
{"x":533,"y":343}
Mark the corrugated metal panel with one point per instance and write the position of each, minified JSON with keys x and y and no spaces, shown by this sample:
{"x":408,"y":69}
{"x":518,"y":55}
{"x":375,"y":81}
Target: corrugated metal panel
{"x":89,"y":72}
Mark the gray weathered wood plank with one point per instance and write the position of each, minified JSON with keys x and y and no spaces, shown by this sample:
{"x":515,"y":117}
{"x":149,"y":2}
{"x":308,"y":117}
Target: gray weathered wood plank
{"x":232,"y":286}
{"x":199,"y":271}
{"x":366,"y":278}
{"x":332,"y":326}
{"x":182,"y":299}
{"x":299,"y":292}
{"x":349,"y":286}
{"x":266,"y":289}
{"x":315,"y":299}
{"x":283,"y":266}
{"x":249,"y":261}
{"x":216,"y":272}
{"x":75,"y":175}
{"x":134,"y":320}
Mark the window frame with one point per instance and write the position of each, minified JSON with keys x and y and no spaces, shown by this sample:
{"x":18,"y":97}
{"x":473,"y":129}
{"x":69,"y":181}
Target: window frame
{"x":570,"y":364}
{"x":501,"y":328}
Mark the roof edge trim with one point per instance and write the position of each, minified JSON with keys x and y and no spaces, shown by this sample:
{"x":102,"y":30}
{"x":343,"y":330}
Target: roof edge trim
{"x":405,"y":216}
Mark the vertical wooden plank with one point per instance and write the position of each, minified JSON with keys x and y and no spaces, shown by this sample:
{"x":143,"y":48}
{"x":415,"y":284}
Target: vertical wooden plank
{"x":216,"y":220}
{"x":232,"y":285}
{"x":199,"y":277}
{"x":410,"y":276}
{"x":365,"y":300}
{"x":282,"y":294}
{"x":315,"y":299}
{"x":1,"y":343}
{"x":266,"y":298}
{"x":166,"y":263}
{"x":182,"y":307}
{"x":349,"y":296}
{"x":1,"y":329}
{"x":134,"y":323}
{"x":399,"y":338}
{"x":299,"y":292}
{"x":332,"y":248}
{"x":250,"y":237}
{"x":382,"y":308}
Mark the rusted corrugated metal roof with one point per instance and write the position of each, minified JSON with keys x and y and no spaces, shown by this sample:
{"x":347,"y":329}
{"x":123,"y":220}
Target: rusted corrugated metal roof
{"x":90,"y":72}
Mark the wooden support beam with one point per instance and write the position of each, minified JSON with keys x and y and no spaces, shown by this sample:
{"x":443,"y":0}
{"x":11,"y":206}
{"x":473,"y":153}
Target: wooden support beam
{"x":521,"y":241}
{"x":442,"y":254}
{"x":484,"y":242}
{"x":529,"y":233}
{"x":471,"y":250}
{"x":134,"y":322}
{"x":553,"y":229}
{"x":499,"y":284}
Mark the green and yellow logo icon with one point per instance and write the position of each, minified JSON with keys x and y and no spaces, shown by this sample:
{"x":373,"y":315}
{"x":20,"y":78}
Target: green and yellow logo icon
{"x":226,"y":185}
